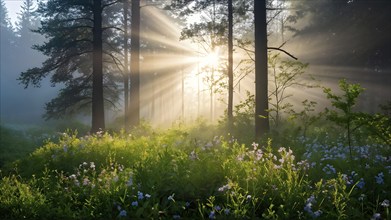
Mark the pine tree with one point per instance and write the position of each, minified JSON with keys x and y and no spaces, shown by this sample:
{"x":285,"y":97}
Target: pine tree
{"x":27,"y":22}
{"x":75,"y":35}
{"x":6,"y":32}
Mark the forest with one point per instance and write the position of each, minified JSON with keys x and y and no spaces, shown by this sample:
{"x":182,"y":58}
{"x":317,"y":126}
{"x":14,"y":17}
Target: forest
{"x":195,"y":109}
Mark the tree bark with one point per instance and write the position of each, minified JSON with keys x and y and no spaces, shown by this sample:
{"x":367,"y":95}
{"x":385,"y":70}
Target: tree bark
{"x":126,"y":66}
{"x":230,"y":66}
{"x":98,"y":116}
{"x":134,"y":107}
{"x":261,"y":69}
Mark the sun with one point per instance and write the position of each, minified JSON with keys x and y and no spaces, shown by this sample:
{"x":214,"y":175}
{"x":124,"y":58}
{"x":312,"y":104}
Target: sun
{"x":212,"y":59}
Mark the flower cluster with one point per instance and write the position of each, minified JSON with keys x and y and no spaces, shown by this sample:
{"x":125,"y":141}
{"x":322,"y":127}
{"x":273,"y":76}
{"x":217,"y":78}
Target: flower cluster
{"x":308,"y":207}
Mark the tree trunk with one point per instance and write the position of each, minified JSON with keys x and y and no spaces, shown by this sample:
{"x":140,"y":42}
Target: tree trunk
{"x":98,"y":116}
{"x":126,"y":66}
{"x":261,"y":69}
{"x":230,"y":66}
{"x":135,"y":65}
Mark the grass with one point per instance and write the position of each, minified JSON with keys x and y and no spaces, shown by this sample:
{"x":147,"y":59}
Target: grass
{"x":188,"y":173}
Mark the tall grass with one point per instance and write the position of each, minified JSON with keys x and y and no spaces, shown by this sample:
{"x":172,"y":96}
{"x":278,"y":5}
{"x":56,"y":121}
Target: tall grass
{"x":179,"y":174}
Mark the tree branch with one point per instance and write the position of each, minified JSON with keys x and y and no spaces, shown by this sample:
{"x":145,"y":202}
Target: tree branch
{"x":279,"y":49}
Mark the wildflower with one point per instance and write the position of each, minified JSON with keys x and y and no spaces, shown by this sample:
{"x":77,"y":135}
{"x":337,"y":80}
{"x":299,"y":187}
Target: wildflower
{"x":346,"y":178}
{"x":379,"y":178}
{"x":176,"y":217}
{"x":223,"y":188}
{"x":376,"y":216}
{"x":226,"y":211}
{"x":122,"y":213}
{"x":385,"y":203}
{"x":84,"y":163}
{"x":361,"y":183}
{"x":317,"y":213}
{"x":92,"y":165}
{"x":193,"y":155}
{"x":135,"y":204}
{"x":304,"y":164}
{"x":72,"y":177}
{"x":140,"y":195}
{"x":362,"y":197}
{"x":147,"y":196}
{"x":277,"y":167}
{"x":255,"y":145}
{"x":248,"y":197}
{"x":212,"y":215}
{"x":216,"y":139}
{"x":209,"y":144}
{"x":218,"y":208}
{"x":308,"y":207}
{"x":171,"y":197}
{"x":329,"y":169}
{"x":130,"y":181}
{"x":258,"y":154}
{"x":187,"y":204}
{"x":86,"y":181}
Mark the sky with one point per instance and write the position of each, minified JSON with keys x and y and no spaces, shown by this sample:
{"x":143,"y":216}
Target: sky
{"x":13,"y":7}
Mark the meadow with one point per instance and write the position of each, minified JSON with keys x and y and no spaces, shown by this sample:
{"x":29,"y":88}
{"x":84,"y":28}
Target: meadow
{"x":315,"y":169}
{"x":180,"y":173}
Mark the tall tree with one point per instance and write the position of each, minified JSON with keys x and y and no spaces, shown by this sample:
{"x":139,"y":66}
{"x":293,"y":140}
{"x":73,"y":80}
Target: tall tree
{"x":7,"y":35}
{"x":75,"y":49}
{"x":261,"y":69}
{"x":126,"y":63}
{"x":230,"y":65}
{"x":98,"y":115}
{"x":134,"y":107}
{"x":27,"y":22}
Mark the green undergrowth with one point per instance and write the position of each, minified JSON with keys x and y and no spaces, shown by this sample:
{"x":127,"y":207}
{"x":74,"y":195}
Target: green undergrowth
{"x":175,"y":174}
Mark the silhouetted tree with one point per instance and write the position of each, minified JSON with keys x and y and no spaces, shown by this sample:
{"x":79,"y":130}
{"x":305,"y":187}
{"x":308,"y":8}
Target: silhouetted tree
{"x":126,"y":62}
{"x":74,"y":30}
{"x":27,"y":21}
{"x":7,"y":36}
{"x":134,"y":107}
{"x":261,"y":66}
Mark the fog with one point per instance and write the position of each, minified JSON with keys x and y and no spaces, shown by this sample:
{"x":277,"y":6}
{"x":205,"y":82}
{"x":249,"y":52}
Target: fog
{"x":335,"y":43}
